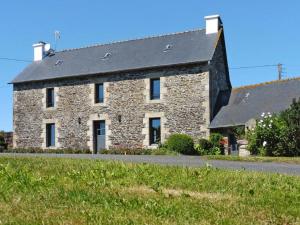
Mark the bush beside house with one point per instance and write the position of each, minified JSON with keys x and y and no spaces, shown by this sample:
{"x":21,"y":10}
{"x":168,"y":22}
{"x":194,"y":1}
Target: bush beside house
{"x":203,"y":146}
{"x":175,"y":144}
{"x":184,"y":144}
{"x":3,"y":144}
{"x":178,"y":144}
{"x":181,"y":143}
{"x":277,"y":135}
{"x":50,"y":151}
{"x":213,"y":146}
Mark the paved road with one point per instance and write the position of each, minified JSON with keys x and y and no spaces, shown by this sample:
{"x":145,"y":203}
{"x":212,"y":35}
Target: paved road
{"x":190,"y":161}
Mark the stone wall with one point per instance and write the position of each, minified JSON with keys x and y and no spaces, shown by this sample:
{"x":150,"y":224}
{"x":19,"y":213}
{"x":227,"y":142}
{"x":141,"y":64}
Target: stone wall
{"x":184,"y":107}
{"x":219,"y":78}
{"x":243,"y":151}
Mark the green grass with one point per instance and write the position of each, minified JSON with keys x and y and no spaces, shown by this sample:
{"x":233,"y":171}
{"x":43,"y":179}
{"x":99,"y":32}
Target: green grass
{"x":293,"y":160}
{"x":71,"y":191}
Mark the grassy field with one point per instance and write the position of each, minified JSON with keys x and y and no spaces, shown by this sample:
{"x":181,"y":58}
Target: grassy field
{"x":292,"y":160}
{"x":71,"y":191}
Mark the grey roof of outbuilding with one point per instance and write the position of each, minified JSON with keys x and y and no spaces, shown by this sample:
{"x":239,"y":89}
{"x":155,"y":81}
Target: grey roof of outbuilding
{"x":250,"y":102}
{"x":186,"y":47}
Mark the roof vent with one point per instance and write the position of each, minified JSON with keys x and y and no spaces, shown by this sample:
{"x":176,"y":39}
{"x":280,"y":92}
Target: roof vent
{"x":168,"y":48}
{"x":58,"y":62}
{"x":106,"y":56}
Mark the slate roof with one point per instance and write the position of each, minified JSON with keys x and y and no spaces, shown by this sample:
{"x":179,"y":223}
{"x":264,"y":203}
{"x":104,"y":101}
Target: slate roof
{"x":185,"y":47}
{"x":250,"y":102}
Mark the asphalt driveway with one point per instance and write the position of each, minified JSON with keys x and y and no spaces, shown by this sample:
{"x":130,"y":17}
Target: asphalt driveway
{"x":189,"y":161}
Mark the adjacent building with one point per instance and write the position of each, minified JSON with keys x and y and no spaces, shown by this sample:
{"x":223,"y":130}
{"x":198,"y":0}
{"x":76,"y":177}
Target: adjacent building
{"x":129,"y":94}
{"x":248,"y":103}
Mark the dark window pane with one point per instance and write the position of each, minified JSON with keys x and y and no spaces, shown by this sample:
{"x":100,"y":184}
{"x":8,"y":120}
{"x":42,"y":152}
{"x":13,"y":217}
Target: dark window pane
{"x":154,"y":130}
{"x":99,"y":98}
{"x":102,"y":127}
{"x":50,"y":97}
{"x":50,"y":134}
{"x":155,"y":89}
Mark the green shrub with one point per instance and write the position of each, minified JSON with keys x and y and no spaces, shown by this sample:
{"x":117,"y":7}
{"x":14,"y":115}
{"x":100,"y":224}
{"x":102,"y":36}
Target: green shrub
{"x":277,"y":135}
{"x":138,"y":151}
{"x":239,"y":132}
{"x":181,"y":143}
{"x":216,"y":139}
{"x":56,"y":151}
{"x":163,"y":151}
{"x":127,"y":151}
{"x":269,"y":138}
{"x":291,"y":116}
{"x":3,"y":145}
{"x":116,"y":151}
{"x":216,"y":150}
{"x":203,"y":146}
{"x":213,"y":146}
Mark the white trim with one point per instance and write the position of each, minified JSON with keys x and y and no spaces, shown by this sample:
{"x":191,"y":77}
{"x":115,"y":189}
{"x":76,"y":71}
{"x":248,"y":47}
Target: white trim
{"x":44,"y":133}
{"x":145,"y":131}
{"x":44,"y":99}
{"x":163,"y":90}
{"x":90,"y":132}
{"x":212,"y":17}
{"x":105,"y":92}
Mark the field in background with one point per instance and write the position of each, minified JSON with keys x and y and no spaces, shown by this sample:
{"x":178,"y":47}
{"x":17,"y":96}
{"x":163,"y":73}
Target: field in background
{"x":72,"y":191}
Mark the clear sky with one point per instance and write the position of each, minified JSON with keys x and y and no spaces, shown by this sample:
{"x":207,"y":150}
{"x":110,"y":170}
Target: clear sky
{"x":257,"y":32}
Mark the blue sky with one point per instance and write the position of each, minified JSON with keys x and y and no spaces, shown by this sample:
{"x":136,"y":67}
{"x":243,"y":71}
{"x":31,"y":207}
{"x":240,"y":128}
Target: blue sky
{"x":256,"y":32}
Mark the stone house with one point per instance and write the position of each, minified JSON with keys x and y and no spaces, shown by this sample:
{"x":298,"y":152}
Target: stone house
{"x":248,"y":103}
{"x":129,"y":94}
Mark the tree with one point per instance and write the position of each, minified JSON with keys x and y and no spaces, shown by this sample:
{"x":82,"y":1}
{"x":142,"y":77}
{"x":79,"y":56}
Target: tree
{"x":277,"y":135}
{"x":2,"y":141}
{"x":291,"y":116}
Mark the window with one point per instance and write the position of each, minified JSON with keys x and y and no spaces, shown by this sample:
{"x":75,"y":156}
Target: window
{"x":99,"y":93}
{"x":50,"y":135}
{"x":50,"y":97}
{"x":155,"y":89}
{"x":154,"y":130}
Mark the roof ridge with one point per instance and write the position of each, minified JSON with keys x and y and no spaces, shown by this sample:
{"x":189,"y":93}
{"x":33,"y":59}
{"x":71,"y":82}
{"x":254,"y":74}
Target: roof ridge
{"x":264,"y":83}
{"x":128,"y":40}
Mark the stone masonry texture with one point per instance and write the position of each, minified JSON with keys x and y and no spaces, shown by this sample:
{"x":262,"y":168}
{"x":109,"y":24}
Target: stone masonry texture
{"x":220,"y":87}
{"x":188,"y":97}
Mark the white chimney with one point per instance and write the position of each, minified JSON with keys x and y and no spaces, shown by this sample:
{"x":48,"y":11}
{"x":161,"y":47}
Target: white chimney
{"x":213,"y":24}
{"x":39,"y":50}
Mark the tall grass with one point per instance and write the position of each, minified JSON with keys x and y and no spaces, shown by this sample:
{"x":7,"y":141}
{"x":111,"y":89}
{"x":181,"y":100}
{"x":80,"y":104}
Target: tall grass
{"x":72,"y":191}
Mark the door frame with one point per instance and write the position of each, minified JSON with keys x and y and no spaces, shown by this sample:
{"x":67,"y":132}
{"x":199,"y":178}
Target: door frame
{"x":95,"y":138}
